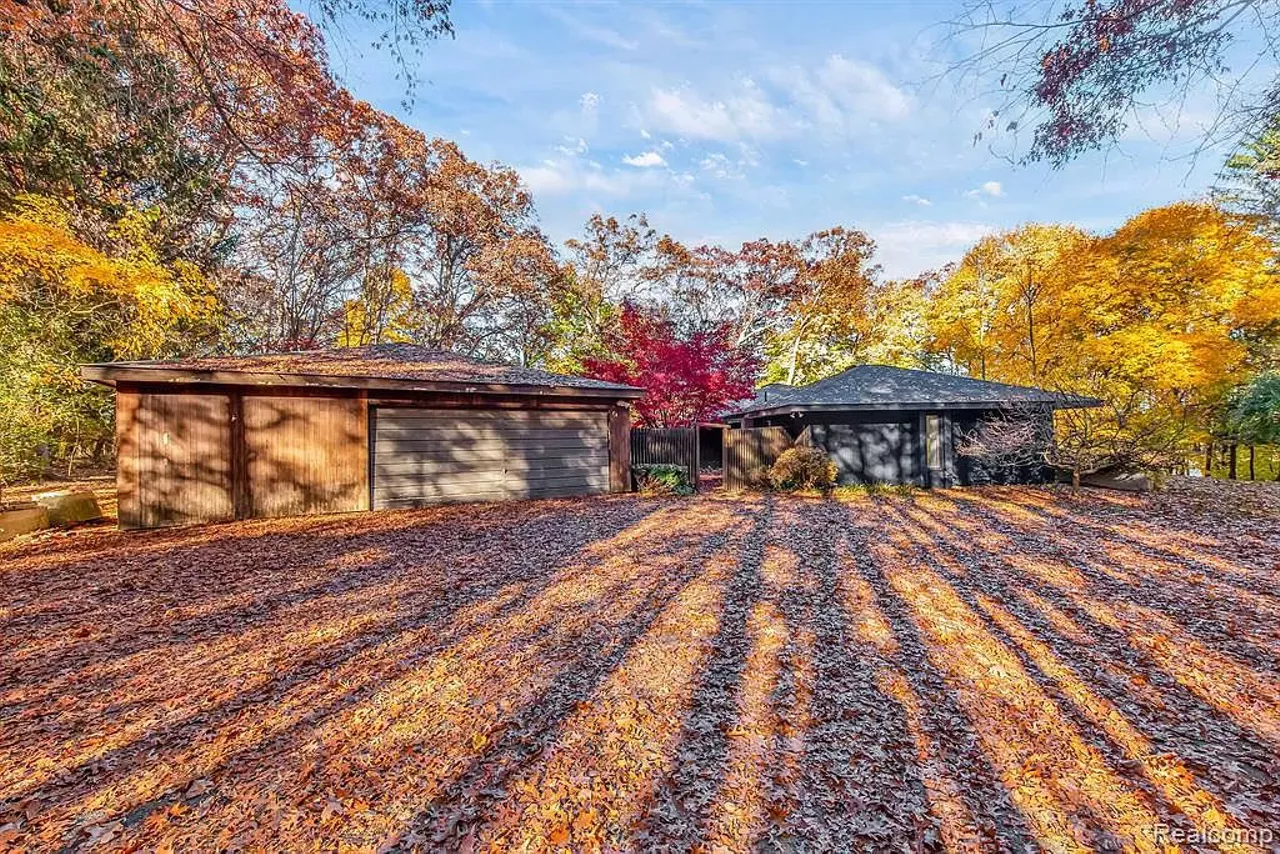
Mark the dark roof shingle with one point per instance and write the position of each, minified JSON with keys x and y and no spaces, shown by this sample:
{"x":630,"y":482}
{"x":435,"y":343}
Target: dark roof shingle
{"x":871,"y":386}
{"x":396,"y":362}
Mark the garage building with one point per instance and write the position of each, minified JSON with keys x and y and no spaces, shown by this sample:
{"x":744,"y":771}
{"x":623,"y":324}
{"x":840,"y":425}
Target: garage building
{"x":382,"y":426}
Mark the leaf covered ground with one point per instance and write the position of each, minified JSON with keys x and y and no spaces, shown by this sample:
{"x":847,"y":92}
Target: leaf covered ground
{"x":979,"y":669}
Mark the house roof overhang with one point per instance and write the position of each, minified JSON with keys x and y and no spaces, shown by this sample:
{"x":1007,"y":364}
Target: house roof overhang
{"x":1066,"y":402}
{"x":114,"y":373}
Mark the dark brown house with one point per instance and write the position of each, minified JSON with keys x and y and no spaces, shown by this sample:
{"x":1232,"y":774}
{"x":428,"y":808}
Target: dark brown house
{"x":383,"y":426}
{"x":881,"y":424}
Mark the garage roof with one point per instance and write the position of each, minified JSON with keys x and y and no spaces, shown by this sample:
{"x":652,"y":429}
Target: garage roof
{"x":886,"y":387}
{"x":376,"y":366}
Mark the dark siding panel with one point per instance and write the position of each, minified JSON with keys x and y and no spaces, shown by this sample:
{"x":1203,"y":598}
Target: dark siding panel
{"x":871,"y":453}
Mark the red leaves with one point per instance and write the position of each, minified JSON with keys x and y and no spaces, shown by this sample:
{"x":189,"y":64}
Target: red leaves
{"x":687,"y":379}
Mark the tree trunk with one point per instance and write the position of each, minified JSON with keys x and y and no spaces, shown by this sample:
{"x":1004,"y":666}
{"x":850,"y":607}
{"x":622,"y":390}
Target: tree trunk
{"x":1075,"y":479}
{"x":1251,"y":458}
{"x":1232,"y":473}
{"x":1208,"y":459}
{"x":795,"y":357}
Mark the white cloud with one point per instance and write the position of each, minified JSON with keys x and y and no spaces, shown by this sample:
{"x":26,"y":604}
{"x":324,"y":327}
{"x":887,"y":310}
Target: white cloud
{"x":573,"y":146}
{"x":747,"y":113}
{"x":589,"y":102}
{"x":570,"y":176}
{"x":647,"y":160}
{"x":994,"y":189}
{"x":588,"y":31}
{"x":917,"y":200}
{"x":842,"y":96}
{"x":839,"y":97}
{"x":720,"y":166}
{"x":911,"y":247}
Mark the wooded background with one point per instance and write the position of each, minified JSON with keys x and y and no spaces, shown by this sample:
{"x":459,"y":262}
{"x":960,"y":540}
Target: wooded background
{"x":194,"y":179}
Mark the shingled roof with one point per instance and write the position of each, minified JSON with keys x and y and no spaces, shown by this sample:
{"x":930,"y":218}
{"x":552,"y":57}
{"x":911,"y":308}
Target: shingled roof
{"x":404,"y":366}
{"x":885,"y":387}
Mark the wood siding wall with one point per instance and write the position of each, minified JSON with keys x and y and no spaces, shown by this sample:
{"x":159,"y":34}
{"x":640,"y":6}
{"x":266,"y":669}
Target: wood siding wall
{"x":305,"y":454}
{"x":748,"y":453}
{"x":128,"y":459}
{"x":175,"y":460}
{"x":677,"y":446}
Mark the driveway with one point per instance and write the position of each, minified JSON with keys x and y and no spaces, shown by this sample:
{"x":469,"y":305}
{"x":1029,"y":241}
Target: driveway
{"x":982,"y":668}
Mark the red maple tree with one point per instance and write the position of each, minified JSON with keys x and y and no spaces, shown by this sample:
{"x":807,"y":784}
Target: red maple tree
{"x":686,"y":380}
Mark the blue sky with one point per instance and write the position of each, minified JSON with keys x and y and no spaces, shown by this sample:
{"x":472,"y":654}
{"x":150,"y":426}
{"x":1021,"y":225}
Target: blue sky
{"x":727,"y":121}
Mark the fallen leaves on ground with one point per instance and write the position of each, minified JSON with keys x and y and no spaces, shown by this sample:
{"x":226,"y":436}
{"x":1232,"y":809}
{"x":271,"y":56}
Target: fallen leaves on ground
{"x":970,"y":669}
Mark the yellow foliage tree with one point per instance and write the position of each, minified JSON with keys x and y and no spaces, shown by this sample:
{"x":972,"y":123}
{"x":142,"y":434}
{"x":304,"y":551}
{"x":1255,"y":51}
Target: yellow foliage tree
{"x":64,"y":301}
{"x":382,"y":313}
{"x":1159,"y":319}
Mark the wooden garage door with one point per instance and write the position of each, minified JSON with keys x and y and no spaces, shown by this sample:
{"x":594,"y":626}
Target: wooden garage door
{"x":428,"y":456}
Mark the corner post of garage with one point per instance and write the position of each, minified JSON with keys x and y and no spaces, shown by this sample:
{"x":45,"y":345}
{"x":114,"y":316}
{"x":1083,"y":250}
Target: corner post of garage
{"x":620,"y":448}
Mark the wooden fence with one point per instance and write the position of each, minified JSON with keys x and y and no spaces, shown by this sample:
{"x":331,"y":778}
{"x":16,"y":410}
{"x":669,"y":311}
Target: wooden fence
{"x":749,"y":453}
{"x":672,"y":446}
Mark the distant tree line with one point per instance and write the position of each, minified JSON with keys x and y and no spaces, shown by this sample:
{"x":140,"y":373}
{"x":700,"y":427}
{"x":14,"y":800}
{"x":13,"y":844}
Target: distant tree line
{"x":192,"y":179}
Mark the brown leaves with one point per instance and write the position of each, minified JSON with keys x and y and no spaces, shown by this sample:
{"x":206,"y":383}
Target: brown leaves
{"x":980,"y":669}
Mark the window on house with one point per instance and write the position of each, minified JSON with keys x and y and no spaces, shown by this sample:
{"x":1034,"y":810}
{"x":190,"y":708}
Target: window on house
{"x":933,"y":440}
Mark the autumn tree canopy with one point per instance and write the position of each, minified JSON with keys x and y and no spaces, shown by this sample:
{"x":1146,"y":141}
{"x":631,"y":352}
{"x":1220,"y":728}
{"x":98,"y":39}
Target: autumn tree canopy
{"x":687,"y":379}
{"x":1077,"y":74}
{"x":190,"y":179}
{"x":1161,"y":319}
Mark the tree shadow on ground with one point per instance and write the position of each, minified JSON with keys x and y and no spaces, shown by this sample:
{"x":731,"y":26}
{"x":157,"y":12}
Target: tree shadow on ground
{"x":943,"y":672}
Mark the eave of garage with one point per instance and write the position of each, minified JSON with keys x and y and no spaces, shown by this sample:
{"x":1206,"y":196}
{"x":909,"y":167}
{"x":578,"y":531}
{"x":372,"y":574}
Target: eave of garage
{"x":109,"y":374}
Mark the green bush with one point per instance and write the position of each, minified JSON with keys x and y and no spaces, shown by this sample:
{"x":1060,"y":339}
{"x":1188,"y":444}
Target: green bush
{"x":803,"y":468}
{"x":662,"y":479}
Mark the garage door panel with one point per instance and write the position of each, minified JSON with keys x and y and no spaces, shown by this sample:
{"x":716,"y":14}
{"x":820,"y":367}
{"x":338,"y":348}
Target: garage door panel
{"x":432,"y":456}
{"x":444,"y":445}
{"x":409,"y":478}
{"x":401,"y":433}
{"x":488,"y":490}
{"x":389,"y":503}
{"x":493,"y":481}
{"x":408,"y":419}
{"x":418,"y":467}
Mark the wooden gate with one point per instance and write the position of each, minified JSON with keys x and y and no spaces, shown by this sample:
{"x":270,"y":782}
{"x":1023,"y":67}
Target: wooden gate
{"x":668,"y":445}
{"x":749,"y":453}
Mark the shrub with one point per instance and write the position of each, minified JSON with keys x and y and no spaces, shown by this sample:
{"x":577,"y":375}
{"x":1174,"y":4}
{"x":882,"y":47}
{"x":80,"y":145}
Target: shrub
{"x":803,"y":468}
{"x":662,"y":479}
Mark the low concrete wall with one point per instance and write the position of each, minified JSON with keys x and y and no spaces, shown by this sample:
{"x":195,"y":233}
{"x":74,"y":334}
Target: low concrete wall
{"x":23,"y":521}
